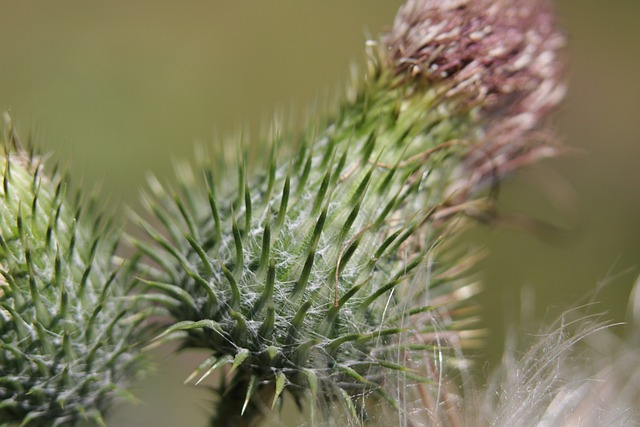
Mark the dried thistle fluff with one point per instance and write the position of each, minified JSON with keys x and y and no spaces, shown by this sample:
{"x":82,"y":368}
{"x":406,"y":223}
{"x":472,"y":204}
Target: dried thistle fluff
{"x":574,"y":373}
{"x":581,"y":371}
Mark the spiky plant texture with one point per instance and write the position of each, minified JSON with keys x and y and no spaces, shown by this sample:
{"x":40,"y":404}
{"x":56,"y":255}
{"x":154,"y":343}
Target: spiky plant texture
{"x":67,"y":335}
{"x":320,"y":272}
{"x":309,"y":276}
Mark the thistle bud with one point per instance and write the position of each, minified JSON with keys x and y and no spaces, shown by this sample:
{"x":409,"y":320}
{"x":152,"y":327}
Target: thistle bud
{"x":324,"y":273}
{"x":502,"y":55}
{"x":503,"y":58}
{"x":67,"y":335}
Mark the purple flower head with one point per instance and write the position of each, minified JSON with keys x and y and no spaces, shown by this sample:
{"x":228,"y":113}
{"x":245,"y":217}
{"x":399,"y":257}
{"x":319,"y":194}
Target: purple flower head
{"x":501,"y":54}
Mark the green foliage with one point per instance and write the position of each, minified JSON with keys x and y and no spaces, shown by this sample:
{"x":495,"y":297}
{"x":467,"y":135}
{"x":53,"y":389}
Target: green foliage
{"x":67,"y":330}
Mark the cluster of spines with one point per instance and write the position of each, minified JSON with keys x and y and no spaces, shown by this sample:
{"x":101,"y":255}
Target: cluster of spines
{"x":306,"y":275}
{"x":68,"y":337}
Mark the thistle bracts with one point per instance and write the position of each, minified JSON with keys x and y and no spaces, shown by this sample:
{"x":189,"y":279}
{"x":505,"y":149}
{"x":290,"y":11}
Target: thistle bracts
{"x":310,"y":277}
{"x":67,"y":340}
{"x":322,"y":272}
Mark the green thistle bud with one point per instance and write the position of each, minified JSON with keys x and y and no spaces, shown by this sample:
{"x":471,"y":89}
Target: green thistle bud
{"x":322,"y":272}
{"x":66,"y":336}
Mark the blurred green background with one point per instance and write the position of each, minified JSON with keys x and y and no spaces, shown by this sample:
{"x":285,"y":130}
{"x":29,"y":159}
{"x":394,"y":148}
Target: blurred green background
{"x":121,"y":88}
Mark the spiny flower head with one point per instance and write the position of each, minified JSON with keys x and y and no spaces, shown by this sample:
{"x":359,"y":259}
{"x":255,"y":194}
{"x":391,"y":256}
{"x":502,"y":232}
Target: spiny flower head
{"x":322,"y":276}
{"x":323,"y":272}
{"x":501,"y":54}
{"x":67,"y":337}
{"x":502,"y":57}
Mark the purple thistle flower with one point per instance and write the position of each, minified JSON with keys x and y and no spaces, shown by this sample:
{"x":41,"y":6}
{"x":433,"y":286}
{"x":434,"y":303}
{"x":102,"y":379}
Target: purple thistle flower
{"x":503,"y":56}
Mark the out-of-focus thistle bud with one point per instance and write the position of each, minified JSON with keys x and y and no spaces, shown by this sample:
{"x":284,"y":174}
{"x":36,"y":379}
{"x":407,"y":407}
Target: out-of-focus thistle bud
{"x":502,"y":57}
{"x":323,"y":273}
{"x":67,"y":334}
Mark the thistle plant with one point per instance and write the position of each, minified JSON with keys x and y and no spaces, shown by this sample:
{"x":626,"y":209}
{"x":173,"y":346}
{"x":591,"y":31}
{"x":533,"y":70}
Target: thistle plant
{"x":323,"y":272}
{"x":68,"y":335}
{"x":328,"y":273}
